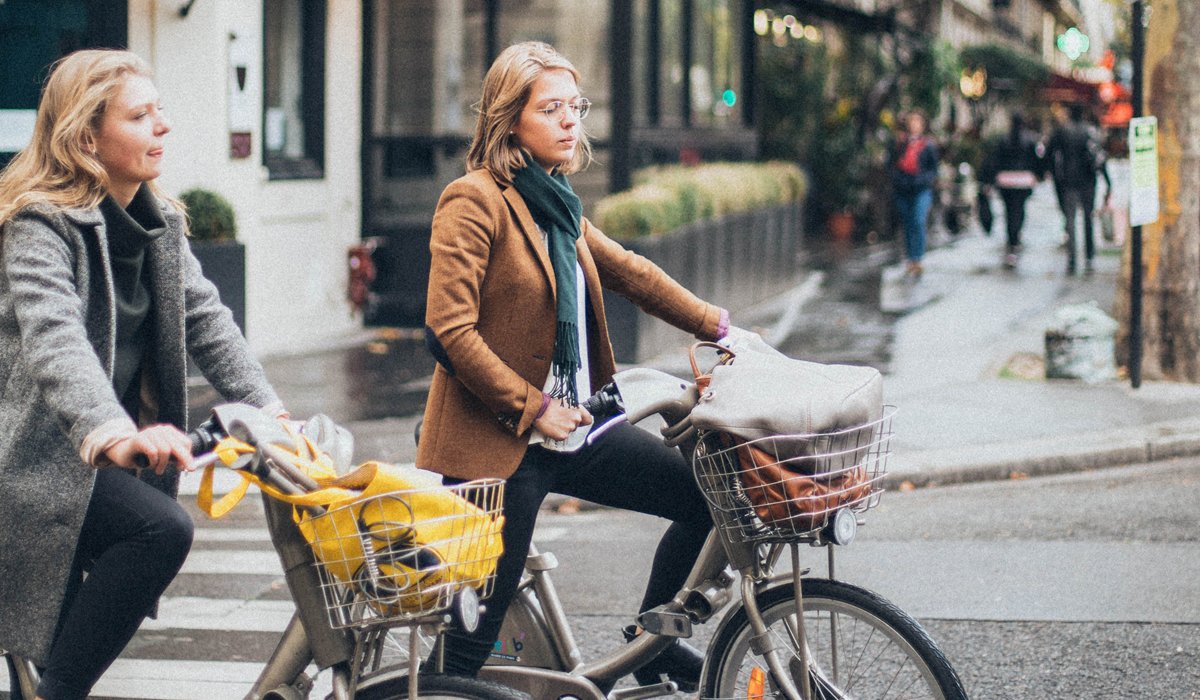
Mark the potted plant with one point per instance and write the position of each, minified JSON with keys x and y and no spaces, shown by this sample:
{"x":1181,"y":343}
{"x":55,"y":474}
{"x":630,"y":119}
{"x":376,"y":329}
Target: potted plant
{"x":837,"y":167}
{"x":212,"y":225}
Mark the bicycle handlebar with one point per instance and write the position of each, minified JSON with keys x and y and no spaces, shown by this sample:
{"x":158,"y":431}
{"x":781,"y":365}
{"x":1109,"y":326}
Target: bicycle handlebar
{"x":604,"y":403}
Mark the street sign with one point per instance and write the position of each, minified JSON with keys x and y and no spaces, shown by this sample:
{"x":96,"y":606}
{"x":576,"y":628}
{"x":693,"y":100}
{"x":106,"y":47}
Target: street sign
{"x":1143,"y":169}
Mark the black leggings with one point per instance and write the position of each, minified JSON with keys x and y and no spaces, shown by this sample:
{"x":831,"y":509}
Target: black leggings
{"x":627,"y":468}
{"x":1014,"y":214}
{"x":134,"y":540}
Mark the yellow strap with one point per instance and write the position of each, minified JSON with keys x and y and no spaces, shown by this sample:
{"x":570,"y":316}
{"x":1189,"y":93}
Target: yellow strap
{"x":204,"y":498}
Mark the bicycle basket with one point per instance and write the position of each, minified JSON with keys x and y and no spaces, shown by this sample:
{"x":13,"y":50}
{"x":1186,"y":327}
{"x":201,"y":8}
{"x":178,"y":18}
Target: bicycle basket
{"x":757,"y":493}
{"x":403,"y":554}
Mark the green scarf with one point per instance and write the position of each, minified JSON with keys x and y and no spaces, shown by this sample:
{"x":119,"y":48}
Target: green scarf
{"x":557,"y":209}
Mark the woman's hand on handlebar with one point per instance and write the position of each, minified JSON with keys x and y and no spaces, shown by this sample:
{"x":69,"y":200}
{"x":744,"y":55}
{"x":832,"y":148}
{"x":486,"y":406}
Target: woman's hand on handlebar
{"x":158,"y":446}
{"x":560,"y":420}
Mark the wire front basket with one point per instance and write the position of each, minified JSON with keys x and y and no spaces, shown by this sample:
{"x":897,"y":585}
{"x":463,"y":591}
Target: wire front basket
{"x":786,"y":488}
{"x":402,"y":555}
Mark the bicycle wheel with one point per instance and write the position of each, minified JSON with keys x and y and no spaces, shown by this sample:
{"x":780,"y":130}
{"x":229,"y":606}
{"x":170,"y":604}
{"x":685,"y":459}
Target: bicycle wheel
{"x":860,"y":645}
{"x":441,"y":687}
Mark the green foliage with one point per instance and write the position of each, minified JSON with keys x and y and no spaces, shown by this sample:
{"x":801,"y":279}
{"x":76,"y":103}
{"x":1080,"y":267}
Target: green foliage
{"x":934,"y":67}
{"x":210,"y":216}
{"x":665,"y":198}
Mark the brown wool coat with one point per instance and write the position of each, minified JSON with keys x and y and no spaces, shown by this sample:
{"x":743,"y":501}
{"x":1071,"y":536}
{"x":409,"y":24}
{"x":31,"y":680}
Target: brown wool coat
{"x":491,"y":309}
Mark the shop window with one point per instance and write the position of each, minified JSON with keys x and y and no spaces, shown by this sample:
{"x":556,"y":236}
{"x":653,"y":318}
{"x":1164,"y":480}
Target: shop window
{"x":715,"y":73}
{"x":294,"y":88}
{"x":33,"y":35}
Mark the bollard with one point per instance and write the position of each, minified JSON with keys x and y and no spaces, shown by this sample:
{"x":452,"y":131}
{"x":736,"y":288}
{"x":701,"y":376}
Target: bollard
{"x":1080,"y":345}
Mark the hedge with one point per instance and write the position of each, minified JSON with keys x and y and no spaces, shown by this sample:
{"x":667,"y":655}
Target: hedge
{"x":665,"y":198}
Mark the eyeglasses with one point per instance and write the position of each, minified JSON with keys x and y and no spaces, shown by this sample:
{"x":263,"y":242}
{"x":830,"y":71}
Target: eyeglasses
{"x":556,"y":110}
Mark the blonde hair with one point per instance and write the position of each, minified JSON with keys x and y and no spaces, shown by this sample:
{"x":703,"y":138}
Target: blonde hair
{"x":58,"y":166}
{"x":506,"y":89}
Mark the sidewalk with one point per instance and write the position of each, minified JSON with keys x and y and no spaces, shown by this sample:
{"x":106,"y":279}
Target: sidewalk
{"x":965,"y":371}
{"x":968,"y":379}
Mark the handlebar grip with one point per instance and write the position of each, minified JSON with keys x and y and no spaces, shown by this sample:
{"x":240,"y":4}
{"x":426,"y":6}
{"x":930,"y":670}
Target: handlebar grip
{"x":605,"y":402}
{"x":204,"y":437}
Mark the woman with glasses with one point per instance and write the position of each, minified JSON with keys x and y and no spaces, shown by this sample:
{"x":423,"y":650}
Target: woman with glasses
{"x":516,"y":319}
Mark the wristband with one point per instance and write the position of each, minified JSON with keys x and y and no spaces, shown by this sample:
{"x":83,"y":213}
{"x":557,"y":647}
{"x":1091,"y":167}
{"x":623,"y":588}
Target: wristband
{"x":723,"y":325}
{"x":545,"y":404}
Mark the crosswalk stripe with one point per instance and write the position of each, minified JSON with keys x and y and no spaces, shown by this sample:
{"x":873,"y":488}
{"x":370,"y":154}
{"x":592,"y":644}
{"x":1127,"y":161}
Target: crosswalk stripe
{"x":232,"y":561}
{"x":232,"y":534}
{"x":232,"y":614}
{"x":172,"y":680}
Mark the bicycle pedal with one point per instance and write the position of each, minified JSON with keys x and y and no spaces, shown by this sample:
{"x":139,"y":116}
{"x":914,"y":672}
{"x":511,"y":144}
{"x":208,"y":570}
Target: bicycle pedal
{"x":666,"y":624}
{"x":658,"y":690}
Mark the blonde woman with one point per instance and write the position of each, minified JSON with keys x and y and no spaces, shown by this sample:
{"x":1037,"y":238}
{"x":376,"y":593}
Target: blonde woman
{"x":101,"y":302}
{"x":516,"y":319}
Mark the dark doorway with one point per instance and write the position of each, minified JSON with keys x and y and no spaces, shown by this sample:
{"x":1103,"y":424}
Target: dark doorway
{"x":33,"y":35}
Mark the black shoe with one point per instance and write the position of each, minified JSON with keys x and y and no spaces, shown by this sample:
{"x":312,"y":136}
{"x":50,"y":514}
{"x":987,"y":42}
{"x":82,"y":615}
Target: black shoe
{"x":679,"y":662}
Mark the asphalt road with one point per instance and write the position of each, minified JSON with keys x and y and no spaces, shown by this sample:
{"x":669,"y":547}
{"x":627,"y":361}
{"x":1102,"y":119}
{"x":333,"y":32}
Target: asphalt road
{"x":1080,"y":586}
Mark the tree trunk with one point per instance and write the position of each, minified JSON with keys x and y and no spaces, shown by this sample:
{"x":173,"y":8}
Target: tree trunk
{"x":1171,"y":250}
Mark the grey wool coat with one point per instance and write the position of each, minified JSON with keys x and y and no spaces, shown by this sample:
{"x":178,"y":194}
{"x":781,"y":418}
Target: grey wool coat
{"x":57,"y":340}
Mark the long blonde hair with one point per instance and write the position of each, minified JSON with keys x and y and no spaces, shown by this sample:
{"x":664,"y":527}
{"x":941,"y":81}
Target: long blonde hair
{"x":506,"y":89}
{"x":58,"y":166}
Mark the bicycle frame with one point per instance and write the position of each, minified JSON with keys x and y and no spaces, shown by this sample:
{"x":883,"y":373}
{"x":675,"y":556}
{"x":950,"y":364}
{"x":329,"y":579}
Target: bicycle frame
{"x":549,"y":662}
{"x":309,"y":637}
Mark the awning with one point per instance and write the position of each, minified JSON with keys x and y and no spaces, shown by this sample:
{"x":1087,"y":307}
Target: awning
{"x":1068,"y":90}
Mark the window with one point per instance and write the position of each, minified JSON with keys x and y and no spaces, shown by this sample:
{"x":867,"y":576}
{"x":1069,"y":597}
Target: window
{"x":34,"y":34}
{"x":715,"y":73}
{"x":294,"y":88}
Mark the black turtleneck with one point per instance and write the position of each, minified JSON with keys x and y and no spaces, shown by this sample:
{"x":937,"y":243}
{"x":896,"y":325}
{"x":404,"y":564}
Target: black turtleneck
{"x":130,"y":231}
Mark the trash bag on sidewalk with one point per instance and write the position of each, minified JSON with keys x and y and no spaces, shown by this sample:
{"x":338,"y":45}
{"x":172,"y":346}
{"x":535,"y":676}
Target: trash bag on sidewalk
{"x":1080,"y":344}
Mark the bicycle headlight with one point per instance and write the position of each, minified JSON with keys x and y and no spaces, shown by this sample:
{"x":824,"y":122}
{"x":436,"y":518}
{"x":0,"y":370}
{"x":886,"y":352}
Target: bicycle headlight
{"x":843,"y":528}
{"x":467,"y":609}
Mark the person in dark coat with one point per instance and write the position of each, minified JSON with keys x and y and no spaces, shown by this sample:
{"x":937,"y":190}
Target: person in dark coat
{"x":1074,"y":158}
{"x":101,"y":303}
{"x":914,"y":168}
{"x":1013,"y":167}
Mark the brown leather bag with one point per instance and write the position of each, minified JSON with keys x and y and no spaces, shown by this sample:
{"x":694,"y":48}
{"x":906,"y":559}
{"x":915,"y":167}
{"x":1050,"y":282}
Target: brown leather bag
{"x":782,"y":497}
{"x":786,"y":493}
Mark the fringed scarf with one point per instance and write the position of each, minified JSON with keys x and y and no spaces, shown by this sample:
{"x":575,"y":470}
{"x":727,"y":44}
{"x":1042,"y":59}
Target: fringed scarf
{"x":557,"y":209}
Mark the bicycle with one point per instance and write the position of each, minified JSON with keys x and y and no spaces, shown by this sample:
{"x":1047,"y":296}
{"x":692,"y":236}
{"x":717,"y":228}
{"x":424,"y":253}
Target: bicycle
{"x":772,"y":626}
{"x":339,"y":626}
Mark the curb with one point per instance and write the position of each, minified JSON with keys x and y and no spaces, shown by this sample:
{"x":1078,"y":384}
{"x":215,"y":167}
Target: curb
{"x":1118,"y":453}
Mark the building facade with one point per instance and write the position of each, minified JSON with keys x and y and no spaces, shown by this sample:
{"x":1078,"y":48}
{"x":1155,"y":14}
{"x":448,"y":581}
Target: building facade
{"x":265,"y":103}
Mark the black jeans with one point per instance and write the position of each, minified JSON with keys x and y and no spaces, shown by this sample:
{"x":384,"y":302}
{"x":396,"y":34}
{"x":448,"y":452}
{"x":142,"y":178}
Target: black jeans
{"x":626,"y":468}
{"x":1014,"y":214}
{"x":133,"y":542}
{"x":1076,"y":201}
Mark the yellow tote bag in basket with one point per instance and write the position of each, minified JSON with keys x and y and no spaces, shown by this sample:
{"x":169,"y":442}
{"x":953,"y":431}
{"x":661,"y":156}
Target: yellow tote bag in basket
{"x":406,"y":546}
{"x":403,"y":543}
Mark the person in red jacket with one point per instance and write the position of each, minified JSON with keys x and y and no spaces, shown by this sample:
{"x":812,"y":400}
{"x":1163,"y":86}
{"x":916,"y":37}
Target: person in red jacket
{"x":914,"y":169}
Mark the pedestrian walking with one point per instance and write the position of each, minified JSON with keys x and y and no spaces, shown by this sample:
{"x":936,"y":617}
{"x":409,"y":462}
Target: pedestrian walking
{"x":101,"y":302}
{"x":516,"y":319}
{"x":1013,"y":167}
{"x":914,"y":168}
{"x":1074,"y":157}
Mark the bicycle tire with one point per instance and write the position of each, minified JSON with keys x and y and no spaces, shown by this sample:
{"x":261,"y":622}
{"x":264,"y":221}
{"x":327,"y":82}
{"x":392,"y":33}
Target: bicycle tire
{"x":883,"y":652}
{"x":441,"y":687}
